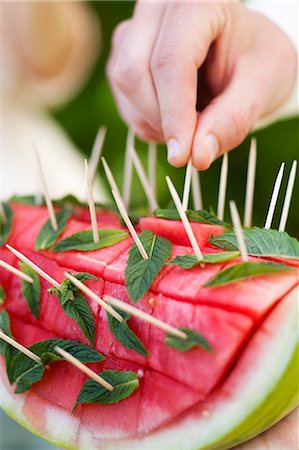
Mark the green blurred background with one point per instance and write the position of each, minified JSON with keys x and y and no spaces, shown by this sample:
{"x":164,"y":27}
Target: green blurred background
{"x":94,"y":105}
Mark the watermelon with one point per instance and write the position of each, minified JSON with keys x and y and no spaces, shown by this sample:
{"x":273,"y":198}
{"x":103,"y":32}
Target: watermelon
{"x":186,"y":400}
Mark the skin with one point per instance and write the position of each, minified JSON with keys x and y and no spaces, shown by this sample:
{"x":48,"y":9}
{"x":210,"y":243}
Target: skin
{"x":153,"y":73}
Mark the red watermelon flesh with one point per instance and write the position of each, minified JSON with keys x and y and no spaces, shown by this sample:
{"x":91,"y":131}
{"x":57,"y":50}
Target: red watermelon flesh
{"x":25,"y":217}
{"x":172,"y":381}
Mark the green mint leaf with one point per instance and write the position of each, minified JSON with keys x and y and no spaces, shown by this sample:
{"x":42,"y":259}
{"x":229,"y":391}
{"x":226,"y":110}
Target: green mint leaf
{"x":67,"y":288}
{"x":7,"y":350}
{"x":31,"y":291}
{"x":28,"y":378}
{"x":193,"y":339}
{"x":188,"y":261}
{"x":21,"y":364}
{"x":141,"y":273}
{"x":124,"y":334}
{"x":6,"y":226}
{"x":200,"y":216}
{"x":124,"y":383}
{"x":83,"y":240}
{"x":2,"y":295}
{"x":25,"y":199}
{"x":245,"y":270}
{"x":260,"y":242}
{"x":47,"y":235}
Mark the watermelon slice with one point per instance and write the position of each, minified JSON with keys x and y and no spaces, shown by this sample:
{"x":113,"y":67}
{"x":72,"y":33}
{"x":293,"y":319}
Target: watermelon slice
{"x":188,"y":400}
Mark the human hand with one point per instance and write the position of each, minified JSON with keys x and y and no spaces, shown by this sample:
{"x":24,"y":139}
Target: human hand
{"x":247,"y":70}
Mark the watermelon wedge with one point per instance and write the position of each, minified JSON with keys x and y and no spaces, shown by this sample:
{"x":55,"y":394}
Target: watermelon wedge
{"x":186,"y":400}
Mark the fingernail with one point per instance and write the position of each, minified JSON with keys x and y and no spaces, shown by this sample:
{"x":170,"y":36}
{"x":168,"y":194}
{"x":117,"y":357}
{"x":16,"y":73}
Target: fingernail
{"x":211,"y":145}
{"x":173,"y":149}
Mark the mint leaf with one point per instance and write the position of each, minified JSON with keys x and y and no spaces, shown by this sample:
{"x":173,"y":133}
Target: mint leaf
{"x":5,"y":227}
{"x":193,"y":339}
{"x":245,"y":270}
{"x":25,"y":199}
{"x":2,"y":295}
{"x":200,"y":216}
{"x":141,"y":273}
{"x":188,"y":261}
{"x":68,"y":289}
{"x":124,"y":334}
{"x":31,"y":291}
{"x":260,"y":242}
{"x":25,"y":372}
{"x":83,"y":240}
{"x":124,"y":383}
{"x":47,"y":235}
{"x":7,"y":350}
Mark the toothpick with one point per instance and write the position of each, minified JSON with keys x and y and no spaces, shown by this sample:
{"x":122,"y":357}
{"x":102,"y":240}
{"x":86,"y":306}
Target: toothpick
{"x":184,"y":219}
{"x":238,"y":230}
{"x":196,"y":190}
{"x":274,"y":197}
{"x":96,"y":152}
{"x":145,"y":316}
{"x":152,"y":166}
{"x":90,"y":373}
{"x":143,"y":179}
{"x":222,"y":187}
{"x":129,"y":224}
{"x":250,"y":184}
{"x":46,"y":190}
{"x":110,"y":177}
{"x":95,"y":297}
{"x":15,"y":271}
{"x":20,"y":347}
{"x":128,"y":168}
{"x":31,"y":264}
{"x":2,"y":214}
{"x":92,"y":209}
{"x":187,"y":185}
{"x":288,"y":197}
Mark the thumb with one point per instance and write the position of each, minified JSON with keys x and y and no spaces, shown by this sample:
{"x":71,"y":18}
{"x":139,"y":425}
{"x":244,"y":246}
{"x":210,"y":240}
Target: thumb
{"x":227,"y":120}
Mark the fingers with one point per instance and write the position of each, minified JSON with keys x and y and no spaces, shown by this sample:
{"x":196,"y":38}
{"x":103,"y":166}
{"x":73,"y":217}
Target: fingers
{"x":227,"y":120}
{"x":181,"y":47}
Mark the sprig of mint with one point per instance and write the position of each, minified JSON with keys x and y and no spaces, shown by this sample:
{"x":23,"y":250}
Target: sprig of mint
{"x":2,"y":295}
{"x":83,"y":240}
{"x":193,"y":339}
{"x":5,"y":349}
{"x":25,"y":372}
{"x":75,"y":304}
{"x":188,"y":261}
{"x":31,"y":291}
{"x":124,"y":383}
{"x":6,"y":226}
{"x":260,"y":242}
{"x":200,"y":216}
{"x":124,"y":334}
{"x":245,"y":270}
{"x":47,"y":235}
{"x":140,"y":273}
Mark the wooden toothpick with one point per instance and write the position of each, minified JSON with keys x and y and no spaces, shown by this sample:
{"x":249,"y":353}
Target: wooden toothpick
{"x":91,"y":205}
{"x":196,"y":190}
{"x":238,"y":230}
{"x":184,"y":219}
{"x":33,"y":266}
{"x":222,"y":187}
{"x":46,"y":190}
{"x":3,"y":217}
{"x":129,"y":224}
{"x":145,"y":316}
{"x":92,"y":295}
{"x":15,"y":271}
{"x":128,"y":168}
{"x":152,"y":166}
{"x":110,"y":177}
{"x":250,"y":184}
{"x":20,"y":347}
{"x":187,"y":185}
{"x":90,"y":373}
{"x":288,"y":197}
{"x":274,"y":197}
{"x":96,"y":152}
{"x":143,"y":179}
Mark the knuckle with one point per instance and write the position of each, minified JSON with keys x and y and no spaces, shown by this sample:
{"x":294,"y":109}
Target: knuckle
{"x":119,"y":31}
{"x":162,"y":61}
{"x":128,"y":75}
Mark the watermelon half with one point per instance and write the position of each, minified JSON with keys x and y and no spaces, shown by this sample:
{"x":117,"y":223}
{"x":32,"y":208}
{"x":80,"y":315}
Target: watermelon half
{"x":192,"y":400}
